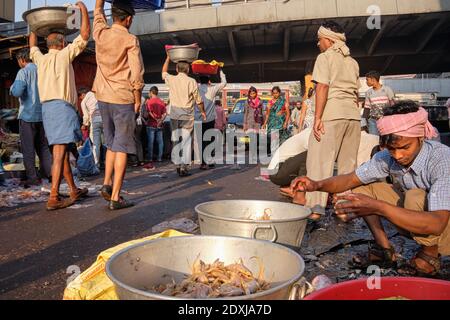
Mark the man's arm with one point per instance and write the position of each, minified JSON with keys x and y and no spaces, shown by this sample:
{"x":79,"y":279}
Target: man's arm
{"x":85,"y":30}
{"x":165,"y":68}
{"x":33,"y":40}
{"x":321,"y":101}
{"x":336,"y":184}
{"x":75,"y":48}
{"x":222,"y":84}
{"x":137,"y":74}
{"x":19,"y":87}
{"x":418,"y":222}
{"x":35,"y":52}
{"x":99,"y":5}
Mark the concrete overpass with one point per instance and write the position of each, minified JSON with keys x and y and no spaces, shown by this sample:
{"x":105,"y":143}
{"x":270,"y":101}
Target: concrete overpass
{"x":276,"y":40}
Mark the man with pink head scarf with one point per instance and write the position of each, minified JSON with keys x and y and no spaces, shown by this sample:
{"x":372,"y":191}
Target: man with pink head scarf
{"x":416,"y":199}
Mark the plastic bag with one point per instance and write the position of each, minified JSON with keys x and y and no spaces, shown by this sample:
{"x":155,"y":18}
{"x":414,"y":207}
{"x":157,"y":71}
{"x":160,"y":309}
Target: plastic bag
{"x":94,"y":284}
{"x":86,"y":162}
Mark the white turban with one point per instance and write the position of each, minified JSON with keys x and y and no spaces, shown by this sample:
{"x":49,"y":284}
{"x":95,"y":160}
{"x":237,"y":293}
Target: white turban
{"x":339,"y":40}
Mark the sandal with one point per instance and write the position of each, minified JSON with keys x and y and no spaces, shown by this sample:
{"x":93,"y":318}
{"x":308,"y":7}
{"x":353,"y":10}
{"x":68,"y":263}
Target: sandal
{"x":79,"y":194}
{"x":56,"y":203}
{"x":106,"y":192}
{"x":411,"y":269}
{"x":121,"y":204}
{"x":384,"y":258}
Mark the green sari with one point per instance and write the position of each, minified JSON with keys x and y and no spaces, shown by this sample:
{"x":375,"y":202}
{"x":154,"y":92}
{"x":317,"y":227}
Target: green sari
{"x":276,"y":122}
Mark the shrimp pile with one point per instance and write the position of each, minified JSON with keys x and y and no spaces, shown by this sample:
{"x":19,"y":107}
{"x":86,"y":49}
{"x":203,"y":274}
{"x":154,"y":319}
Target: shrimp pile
{"x":216,"y":280}
{"x":264,"y":216}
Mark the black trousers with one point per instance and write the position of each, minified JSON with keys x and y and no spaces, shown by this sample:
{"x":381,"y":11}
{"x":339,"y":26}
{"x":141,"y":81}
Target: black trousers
{"x":205,"y":127}
{"x":33,"y":141}
{"x":139,"y":156}
{"x":289,"y":170}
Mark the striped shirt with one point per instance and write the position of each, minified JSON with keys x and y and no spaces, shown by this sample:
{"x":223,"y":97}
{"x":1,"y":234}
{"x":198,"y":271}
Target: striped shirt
{"x":430,"y":171}
{"x":377,"y":100}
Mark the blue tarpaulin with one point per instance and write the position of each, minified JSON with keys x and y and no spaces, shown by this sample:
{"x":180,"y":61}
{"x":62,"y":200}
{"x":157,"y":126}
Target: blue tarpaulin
{"x":145,"y":4}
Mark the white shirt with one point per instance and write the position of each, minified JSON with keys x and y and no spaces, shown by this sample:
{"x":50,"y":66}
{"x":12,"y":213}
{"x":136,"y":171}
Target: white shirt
{"x":299,"y":143}
{"x":91,"y":112}
{"x":208,"y":94}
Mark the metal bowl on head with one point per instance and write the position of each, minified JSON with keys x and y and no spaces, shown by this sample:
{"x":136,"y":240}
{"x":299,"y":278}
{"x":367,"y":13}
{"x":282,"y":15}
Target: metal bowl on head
{"x":137,"y":269}
{"x":183,"y":53}
{"x":286,"y":225}
{"x":46,"y":20}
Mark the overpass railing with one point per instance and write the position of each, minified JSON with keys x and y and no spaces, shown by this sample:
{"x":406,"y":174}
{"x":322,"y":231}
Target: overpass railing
{"x":186,"y":4}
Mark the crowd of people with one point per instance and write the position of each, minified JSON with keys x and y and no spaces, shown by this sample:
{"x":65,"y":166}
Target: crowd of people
{"x":378,"y":161}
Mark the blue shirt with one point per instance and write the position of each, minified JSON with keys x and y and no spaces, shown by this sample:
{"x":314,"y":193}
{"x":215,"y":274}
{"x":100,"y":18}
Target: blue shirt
{"x":430,"y":171}
{"x":25,"y":87}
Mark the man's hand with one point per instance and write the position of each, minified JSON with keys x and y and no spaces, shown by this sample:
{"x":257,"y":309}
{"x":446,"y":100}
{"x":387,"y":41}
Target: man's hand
{"x":204,"y":116}
{"x":356,"y":204}
{"x":304,"y":184}
{"x":318,"y":129}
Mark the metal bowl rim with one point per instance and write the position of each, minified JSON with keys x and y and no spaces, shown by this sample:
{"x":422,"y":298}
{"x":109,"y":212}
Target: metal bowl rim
{"x":271,"y":221}
{"x":164,"y":297}
{"x":27,"y":13}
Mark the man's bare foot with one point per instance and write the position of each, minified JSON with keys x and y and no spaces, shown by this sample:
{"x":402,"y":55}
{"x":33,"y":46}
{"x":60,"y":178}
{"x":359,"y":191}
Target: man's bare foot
{"x":315,"y":217}
{"x":299,"y":198}
{"x":347,"y":217}
{"x":287,"y":192}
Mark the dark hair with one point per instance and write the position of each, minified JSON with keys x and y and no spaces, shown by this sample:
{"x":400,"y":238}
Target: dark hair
{"x":218,"y":103}
{"x":276,"y":88}
{"x":374,"y":75}
{"x":203,"y":79}
{"x":252,"y":89}
{"x":183,"y":67}
{"x":119,"y":14}
{"x":333,"y":26}
{"x":154,"y":90}
{"x":83,"y":90}
{"x":401,"y":107}
{"x":23,"y":54}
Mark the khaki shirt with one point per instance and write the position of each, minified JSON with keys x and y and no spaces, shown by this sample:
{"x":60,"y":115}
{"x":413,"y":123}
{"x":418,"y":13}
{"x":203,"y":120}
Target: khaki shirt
{"x":120,"y":67}
{"x":183,"y":95}
{"x":56,"y":78}
{"x":341,"y":74}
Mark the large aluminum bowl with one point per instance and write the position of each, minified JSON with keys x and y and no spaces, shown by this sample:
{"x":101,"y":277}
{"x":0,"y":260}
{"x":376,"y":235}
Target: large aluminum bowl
{"x":183,"y":53}
{"x":231,"y":218}
{"x":46,"y":20}
{"x":136,"y":269}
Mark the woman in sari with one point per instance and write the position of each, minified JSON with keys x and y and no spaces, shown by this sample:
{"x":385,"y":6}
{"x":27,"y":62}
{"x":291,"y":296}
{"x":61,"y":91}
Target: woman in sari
{"x":277,"y":116}
{"x":253,"y":112}
{"x":308,"y":109}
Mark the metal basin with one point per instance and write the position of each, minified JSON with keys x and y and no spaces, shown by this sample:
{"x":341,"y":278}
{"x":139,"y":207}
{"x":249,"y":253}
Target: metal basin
{"x":182,"y":53}
{"x":46,"y":20}
{"x":231,"y":218}
{"x":136,"y":269}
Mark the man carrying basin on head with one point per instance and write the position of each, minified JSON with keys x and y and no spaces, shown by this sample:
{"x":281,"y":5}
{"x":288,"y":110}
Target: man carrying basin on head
{"x":183,"y":95}
{"x":118,"y":87}
{"x":418,"y":200}
{"x":59,"y":97}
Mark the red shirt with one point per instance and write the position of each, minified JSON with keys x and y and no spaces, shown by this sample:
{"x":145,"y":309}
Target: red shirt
{"x":158,"y":108}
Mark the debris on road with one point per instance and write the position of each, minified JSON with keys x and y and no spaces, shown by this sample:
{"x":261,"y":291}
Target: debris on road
{"x":183,"y":225}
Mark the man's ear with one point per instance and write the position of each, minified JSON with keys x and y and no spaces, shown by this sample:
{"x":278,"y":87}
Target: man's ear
{"x":129,"y":21}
